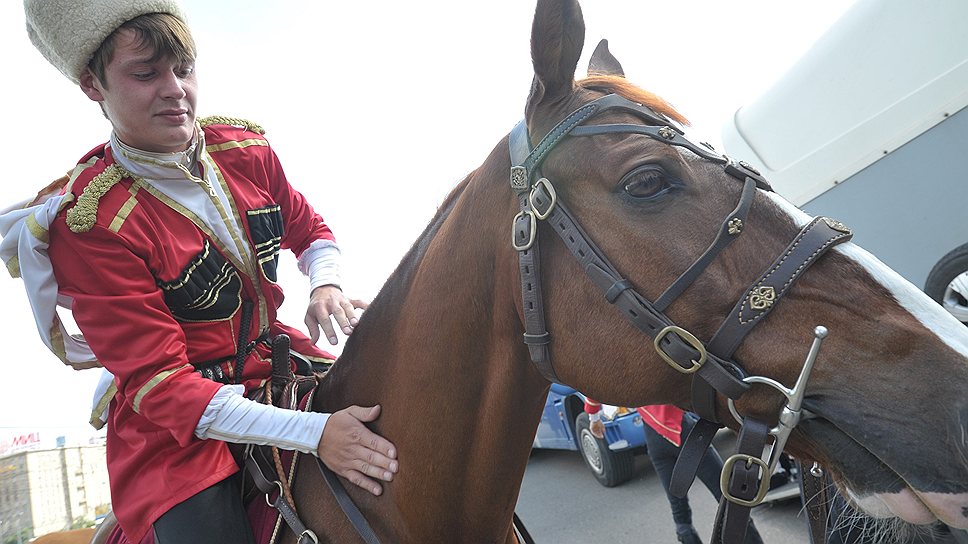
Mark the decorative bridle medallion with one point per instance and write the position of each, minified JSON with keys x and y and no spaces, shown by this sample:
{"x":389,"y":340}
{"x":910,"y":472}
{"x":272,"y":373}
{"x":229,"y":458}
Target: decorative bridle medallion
{"x":836,"y":225}
{"x":519,"y":178}
{"x":735,"y":226}
{"x":762,"y":298}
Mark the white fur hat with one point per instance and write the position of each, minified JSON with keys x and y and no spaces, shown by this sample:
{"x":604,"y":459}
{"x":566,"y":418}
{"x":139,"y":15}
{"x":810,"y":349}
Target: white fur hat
{"x":69,"y":32}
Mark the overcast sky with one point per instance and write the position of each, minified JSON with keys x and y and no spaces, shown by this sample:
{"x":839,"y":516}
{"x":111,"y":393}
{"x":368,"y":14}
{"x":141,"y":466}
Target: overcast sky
{"x":376,"y":109}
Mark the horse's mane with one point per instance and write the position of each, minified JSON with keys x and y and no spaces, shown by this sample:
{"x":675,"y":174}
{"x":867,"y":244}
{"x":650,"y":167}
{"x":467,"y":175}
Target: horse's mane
{"x":622,"y":87}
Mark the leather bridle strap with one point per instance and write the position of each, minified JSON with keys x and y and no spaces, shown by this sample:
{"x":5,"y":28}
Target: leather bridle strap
{"x":759,"y":299}
{"x":536,"y":335}
{"x":305,"y":535}
{"x":732,"y":226}
{"x":713,"y":368}
{"x":813,"y":241}
{"x":741,"y":482}
{"x":347,"y":505}
{"x":814,"y":490}
{"x":676,"y":343}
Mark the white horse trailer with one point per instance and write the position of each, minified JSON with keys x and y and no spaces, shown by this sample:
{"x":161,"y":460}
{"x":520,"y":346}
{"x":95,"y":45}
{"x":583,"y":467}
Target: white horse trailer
{"x":870,"y":127}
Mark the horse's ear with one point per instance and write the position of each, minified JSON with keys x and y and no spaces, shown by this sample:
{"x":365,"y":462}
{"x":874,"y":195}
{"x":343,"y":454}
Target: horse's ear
{"x":557,"y":37}
{"x":603,"y":63}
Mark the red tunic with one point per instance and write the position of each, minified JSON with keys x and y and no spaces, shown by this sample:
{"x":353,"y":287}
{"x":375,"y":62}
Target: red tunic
{"x":153,"y":291}
{"x":666,"y":419}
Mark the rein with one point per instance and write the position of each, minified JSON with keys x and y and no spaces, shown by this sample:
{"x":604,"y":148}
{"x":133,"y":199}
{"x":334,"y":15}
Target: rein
{"x":745,"y":478}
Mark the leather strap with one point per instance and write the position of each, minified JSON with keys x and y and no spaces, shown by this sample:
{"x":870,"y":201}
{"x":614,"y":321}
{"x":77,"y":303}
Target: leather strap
{"x":522,"y":530}
{"x":281,"y":369}
{"x":286,"y":509}
{"x":814,"y":492}
{"x":743,"y":482}
{"x":691,"y":455}
{"x":536,"y":335}
{"x":759,"y":300}
{"x":713,"y":368}
{"x":346,"y":503}
{"x":634,"y":306}
{"x":730,"y":230}
{"x":245,"y":323}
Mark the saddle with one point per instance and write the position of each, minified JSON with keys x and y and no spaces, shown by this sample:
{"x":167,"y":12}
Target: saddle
{"x":269,"y":472}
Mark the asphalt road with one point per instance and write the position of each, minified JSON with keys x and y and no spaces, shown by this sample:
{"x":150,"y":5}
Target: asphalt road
{"x":562,"y":503}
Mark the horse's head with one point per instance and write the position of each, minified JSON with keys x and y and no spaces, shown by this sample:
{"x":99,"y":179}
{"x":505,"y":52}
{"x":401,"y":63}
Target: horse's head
{"x":888,"y":390}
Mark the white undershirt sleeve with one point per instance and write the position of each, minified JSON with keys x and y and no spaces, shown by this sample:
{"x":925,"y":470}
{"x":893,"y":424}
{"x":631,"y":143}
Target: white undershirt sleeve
{"x":231,"y":417}
{"x":321,"y":262}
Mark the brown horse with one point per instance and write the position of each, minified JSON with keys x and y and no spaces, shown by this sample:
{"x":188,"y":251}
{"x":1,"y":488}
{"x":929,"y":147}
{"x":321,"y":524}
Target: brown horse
{"x":441,"y":350}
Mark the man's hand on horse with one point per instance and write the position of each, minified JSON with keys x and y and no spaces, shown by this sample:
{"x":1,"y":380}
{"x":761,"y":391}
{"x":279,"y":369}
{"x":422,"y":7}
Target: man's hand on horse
{"x":327,"y":303}
{"x":354,"y":452}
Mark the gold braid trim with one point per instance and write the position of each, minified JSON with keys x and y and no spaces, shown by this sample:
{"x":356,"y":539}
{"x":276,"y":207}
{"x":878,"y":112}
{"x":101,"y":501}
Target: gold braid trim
{"x":82,"y":216}
{"x":233,"y":121}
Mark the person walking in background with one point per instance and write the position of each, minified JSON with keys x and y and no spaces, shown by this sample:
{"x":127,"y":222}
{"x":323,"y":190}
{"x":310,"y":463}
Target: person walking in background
{"x":665,"y":426}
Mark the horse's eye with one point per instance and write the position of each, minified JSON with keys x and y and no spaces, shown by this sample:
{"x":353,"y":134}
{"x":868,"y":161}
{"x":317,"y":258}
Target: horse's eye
{"x":646,"y":182}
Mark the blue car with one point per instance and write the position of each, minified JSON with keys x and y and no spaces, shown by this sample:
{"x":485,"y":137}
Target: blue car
{"x":564,"y":426}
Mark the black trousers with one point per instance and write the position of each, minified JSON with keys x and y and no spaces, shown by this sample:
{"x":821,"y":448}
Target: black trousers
{"x":212,"y":516}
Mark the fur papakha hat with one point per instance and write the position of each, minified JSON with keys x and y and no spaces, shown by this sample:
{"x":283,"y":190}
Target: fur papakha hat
{"x":69,"y":32}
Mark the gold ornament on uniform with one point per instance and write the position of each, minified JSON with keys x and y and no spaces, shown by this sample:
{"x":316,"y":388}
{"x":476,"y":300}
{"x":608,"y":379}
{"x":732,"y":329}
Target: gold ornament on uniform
{"x":735,"y":226}
{"x":762,"y":298}
{"x":82,"y":216}
{"x":231,"y":121}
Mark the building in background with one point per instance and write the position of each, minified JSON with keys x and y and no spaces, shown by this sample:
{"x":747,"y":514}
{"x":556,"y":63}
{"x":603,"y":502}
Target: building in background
{"x":48,"y":490}
{"x":870,"y":127}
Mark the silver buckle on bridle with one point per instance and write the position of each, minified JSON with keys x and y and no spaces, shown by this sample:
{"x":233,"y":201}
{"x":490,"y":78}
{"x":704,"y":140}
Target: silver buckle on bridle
{"x":792,"y":413}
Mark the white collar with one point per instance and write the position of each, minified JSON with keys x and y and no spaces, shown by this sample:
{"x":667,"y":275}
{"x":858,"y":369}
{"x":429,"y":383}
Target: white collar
{"x":180,"y":165}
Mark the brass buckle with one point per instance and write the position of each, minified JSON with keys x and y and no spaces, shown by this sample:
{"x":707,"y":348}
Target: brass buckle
{"x":550,"y":189}
{"x":533,"y":230}
{"x":728,"y":471}
{"x":690,"y":339}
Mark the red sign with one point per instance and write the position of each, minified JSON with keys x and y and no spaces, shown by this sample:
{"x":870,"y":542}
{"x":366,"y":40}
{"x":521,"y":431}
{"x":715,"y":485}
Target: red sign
{"x":19,"y":443}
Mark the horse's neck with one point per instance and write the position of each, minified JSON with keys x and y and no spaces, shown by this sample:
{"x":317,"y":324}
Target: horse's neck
{"x":443,"y":356}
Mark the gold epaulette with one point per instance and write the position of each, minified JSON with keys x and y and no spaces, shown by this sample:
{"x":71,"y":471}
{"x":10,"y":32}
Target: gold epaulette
{"x":233,"y":121}
{"x":82,"y":216}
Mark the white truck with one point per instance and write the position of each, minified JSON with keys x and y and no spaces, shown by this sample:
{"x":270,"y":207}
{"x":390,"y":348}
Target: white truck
{"x":870,"y":127}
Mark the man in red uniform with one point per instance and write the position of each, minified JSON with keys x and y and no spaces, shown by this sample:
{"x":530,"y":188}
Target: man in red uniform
{"x":665,"y":425}
{"x":164,"y":245}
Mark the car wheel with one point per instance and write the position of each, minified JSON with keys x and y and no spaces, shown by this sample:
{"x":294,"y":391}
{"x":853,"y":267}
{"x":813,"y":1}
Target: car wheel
{"x":948,"y":283}
{"x":610,"y":468}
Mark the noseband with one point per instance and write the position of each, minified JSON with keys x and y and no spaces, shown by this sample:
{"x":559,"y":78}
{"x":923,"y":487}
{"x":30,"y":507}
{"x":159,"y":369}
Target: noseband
{"x":709,"y":363}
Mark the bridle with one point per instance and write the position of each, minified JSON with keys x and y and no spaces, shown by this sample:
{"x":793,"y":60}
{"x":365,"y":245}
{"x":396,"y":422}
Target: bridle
{"x":746,"y":474}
